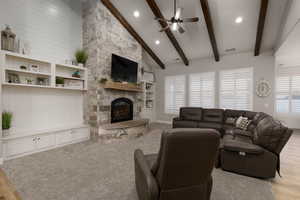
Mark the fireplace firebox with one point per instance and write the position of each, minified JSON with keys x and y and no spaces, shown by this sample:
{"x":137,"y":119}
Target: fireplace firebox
{"x":121,"y":110}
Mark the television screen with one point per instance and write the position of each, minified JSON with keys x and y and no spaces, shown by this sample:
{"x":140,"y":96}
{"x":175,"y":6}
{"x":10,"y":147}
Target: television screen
{"x":123,"y":69}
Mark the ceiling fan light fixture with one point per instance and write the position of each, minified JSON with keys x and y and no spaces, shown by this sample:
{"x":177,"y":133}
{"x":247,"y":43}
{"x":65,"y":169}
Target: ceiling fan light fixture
{"x":174,"y":27}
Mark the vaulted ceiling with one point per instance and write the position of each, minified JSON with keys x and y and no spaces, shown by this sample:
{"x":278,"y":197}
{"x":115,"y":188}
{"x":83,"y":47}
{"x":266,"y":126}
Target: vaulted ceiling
{"x":195,"y":42}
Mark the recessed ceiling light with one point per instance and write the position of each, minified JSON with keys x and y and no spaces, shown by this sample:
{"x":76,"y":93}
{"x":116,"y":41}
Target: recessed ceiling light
{"x":239,"y":20}
{"x":136,"y":14}
{"x":157,"y":42}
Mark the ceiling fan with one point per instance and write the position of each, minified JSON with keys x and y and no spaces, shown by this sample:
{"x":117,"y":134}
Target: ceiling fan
{"x":176,"y":21}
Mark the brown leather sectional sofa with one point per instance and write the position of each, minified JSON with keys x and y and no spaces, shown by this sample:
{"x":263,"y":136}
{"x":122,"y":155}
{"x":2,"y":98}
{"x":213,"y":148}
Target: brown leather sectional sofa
{"x":253,"y":152}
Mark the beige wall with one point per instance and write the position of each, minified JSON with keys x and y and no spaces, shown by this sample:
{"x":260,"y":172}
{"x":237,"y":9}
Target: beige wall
{"x":263,"y":68}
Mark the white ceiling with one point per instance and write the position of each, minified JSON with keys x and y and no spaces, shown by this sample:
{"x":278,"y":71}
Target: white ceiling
{"x":195,"y":42}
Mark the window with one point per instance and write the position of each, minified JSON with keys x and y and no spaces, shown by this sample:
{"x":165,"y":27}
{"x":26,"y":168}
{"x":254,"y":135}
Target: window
{"x":202,"y":90}
{"x":288,"y":90}
{"x":236,"y":89}
{"x":174,"y":93}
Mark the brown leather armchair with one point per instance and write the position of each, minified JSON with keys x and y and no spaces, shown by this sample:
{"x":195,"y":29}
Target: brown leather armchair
{"x":182,"y":169}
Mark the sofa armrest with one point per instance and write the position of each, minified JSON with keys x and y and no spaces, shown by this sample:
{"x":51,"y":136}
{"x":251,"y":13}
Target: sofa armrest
{"x":145,"y":182}
{"x":242,"y":147}
{"x":176,"y":119}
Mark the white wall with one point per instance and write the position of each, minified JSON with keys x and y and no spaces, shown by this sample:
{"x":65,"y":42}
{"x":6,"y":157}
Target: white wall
{"x":263,"y":66}
{"x":292,"y":17}
{"x":41,"y":109}
{"x":288,"y":55}
{"x":52,"y":28}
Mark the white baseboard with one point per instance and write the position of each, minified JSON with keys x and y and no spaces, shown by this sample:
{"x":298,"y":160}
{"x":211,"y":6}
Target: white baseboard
{"x":163,"y":122}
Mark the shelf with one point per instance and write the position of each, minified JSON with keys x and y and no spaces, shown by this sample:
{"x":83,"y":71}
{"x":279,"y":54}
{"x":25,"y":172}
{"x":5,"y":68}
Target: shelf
{"x":70,"y":66}
{"x":27,"y":57}
{"x":27,"y":72}
{"x":39,"y":86}
{"x":122,"y":86}
{"x":41,"y":132}
{"x":66,"y":88}
{"x":26,"y":85}
{"x":70,"y":77}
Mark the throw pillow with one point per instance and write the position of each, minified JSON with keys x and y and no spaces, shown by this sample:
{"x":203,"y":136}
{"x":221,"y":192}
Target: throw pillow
{"x":230,"y":120}
{"x":242,"y":123}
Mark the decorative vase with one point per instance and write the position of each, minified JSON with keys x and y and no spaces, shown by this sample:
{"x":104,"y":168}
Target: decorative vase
{"x":5,"y":132}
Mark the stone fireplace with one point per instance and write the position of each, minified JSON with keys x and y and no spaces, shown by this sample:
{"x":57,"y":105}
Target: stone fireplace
{"x":103,"y":35}
{"x":121,"y":110}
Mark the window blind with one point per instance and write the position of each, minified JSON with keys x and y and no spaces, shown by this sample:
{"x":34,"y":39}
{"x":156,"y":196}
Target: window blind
{"x":288,"y":90}
{"x":236,"y":88}
{"x":174,"y":93}
{"x":202,"y":90}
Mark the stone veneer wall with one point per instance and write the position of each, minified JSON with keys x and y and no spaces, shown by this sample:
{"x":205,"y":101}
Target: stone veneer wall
{"x":102,"y":36}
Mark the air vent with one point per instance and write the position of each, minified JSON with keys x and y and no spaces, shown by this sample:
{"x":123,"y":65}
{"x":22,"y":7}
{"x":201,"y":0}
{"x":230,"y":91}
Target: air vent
{"x":230,"y":50}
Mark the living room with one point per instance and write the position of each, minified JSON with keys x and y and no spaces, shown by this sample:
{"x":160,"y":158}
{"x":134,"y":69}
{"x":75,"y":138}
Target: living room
{"x":149,"y":100}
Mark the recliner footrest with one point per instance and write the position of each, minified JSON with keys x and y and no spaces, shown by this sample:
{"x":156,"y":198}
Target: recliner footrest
{"x":242,"y":147}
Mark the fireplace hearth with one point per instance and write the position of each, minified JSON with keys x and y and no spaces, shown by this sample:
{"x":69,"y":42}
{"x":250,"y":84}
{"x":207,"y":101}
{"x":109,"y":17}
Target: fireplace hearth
{"x":121,"y":110}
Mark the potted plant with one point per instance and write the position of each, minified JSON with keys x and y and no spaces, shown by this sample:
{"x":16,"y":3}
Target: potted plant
{"x":81,"y":57}
{"x":6,"y":122}
{"x":60,"y":82}
{"x":103,"y":80}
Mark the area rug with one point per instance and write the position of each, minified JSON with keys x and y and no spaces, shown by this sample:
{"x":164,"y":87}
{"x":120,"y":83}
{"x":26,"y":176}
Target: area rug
{"x":98,"y":171}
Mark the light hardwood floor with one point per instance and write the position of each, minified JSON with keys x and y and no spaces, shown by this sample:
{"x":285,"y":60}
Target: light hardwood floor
{"x":288,"y":187}
{"x":7,"y":191}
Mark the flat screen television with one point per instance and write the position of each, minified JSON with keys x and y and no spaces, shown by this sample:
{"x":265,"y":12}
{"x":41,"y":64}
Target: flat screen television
{"x":123,"y":69}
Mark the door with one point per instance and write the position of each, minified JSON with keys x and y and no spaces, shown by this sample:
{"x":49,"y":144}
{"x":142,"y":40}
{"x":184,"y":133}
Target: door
{"x":20,"y":146}
{"x":45,"y":141}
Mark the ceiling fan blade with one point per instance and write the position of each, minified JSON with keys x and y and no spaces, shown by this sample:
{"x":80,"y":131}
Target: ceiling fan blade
{"x":194,"y":19}
{"x":178,"y":13}
{"x":181,"y":29}
{"x":164,"y":29}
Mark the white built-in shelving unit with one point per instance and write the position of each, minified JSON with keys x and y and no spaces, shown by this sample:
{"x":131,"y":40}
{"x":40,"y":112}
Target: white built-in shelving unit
{"x":149,"y":100}
{"x":26,"y":71}
{"x":46,"y":115}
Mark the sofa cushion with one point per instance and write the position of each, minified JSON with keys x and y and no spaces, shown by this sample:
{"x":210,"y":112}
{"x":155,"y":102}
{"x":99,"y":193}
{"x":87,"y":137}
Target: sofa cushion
{"x":249,"y":114}
{"x":268,"y":133}
{"x":191,"y":113}
{"x":233,"y":113}
{"x":230,"y":120}
{"x":213,"y":115}
{"x":246,"y":147}
{"x":236,"y":131}
{"x":242,"y":123}
{"x":212,"y":125}
{"x":185,"y":124}
{"x":258,"y":117}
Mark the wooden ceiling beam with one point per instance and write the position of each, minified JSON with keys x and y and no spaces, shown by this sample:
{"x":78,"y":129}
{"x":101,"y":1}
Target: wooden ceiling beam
{"x":115,"y":12}
{"x":157,"y":13}
{"x":210,"y":28}
{"x":260,"y":26}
